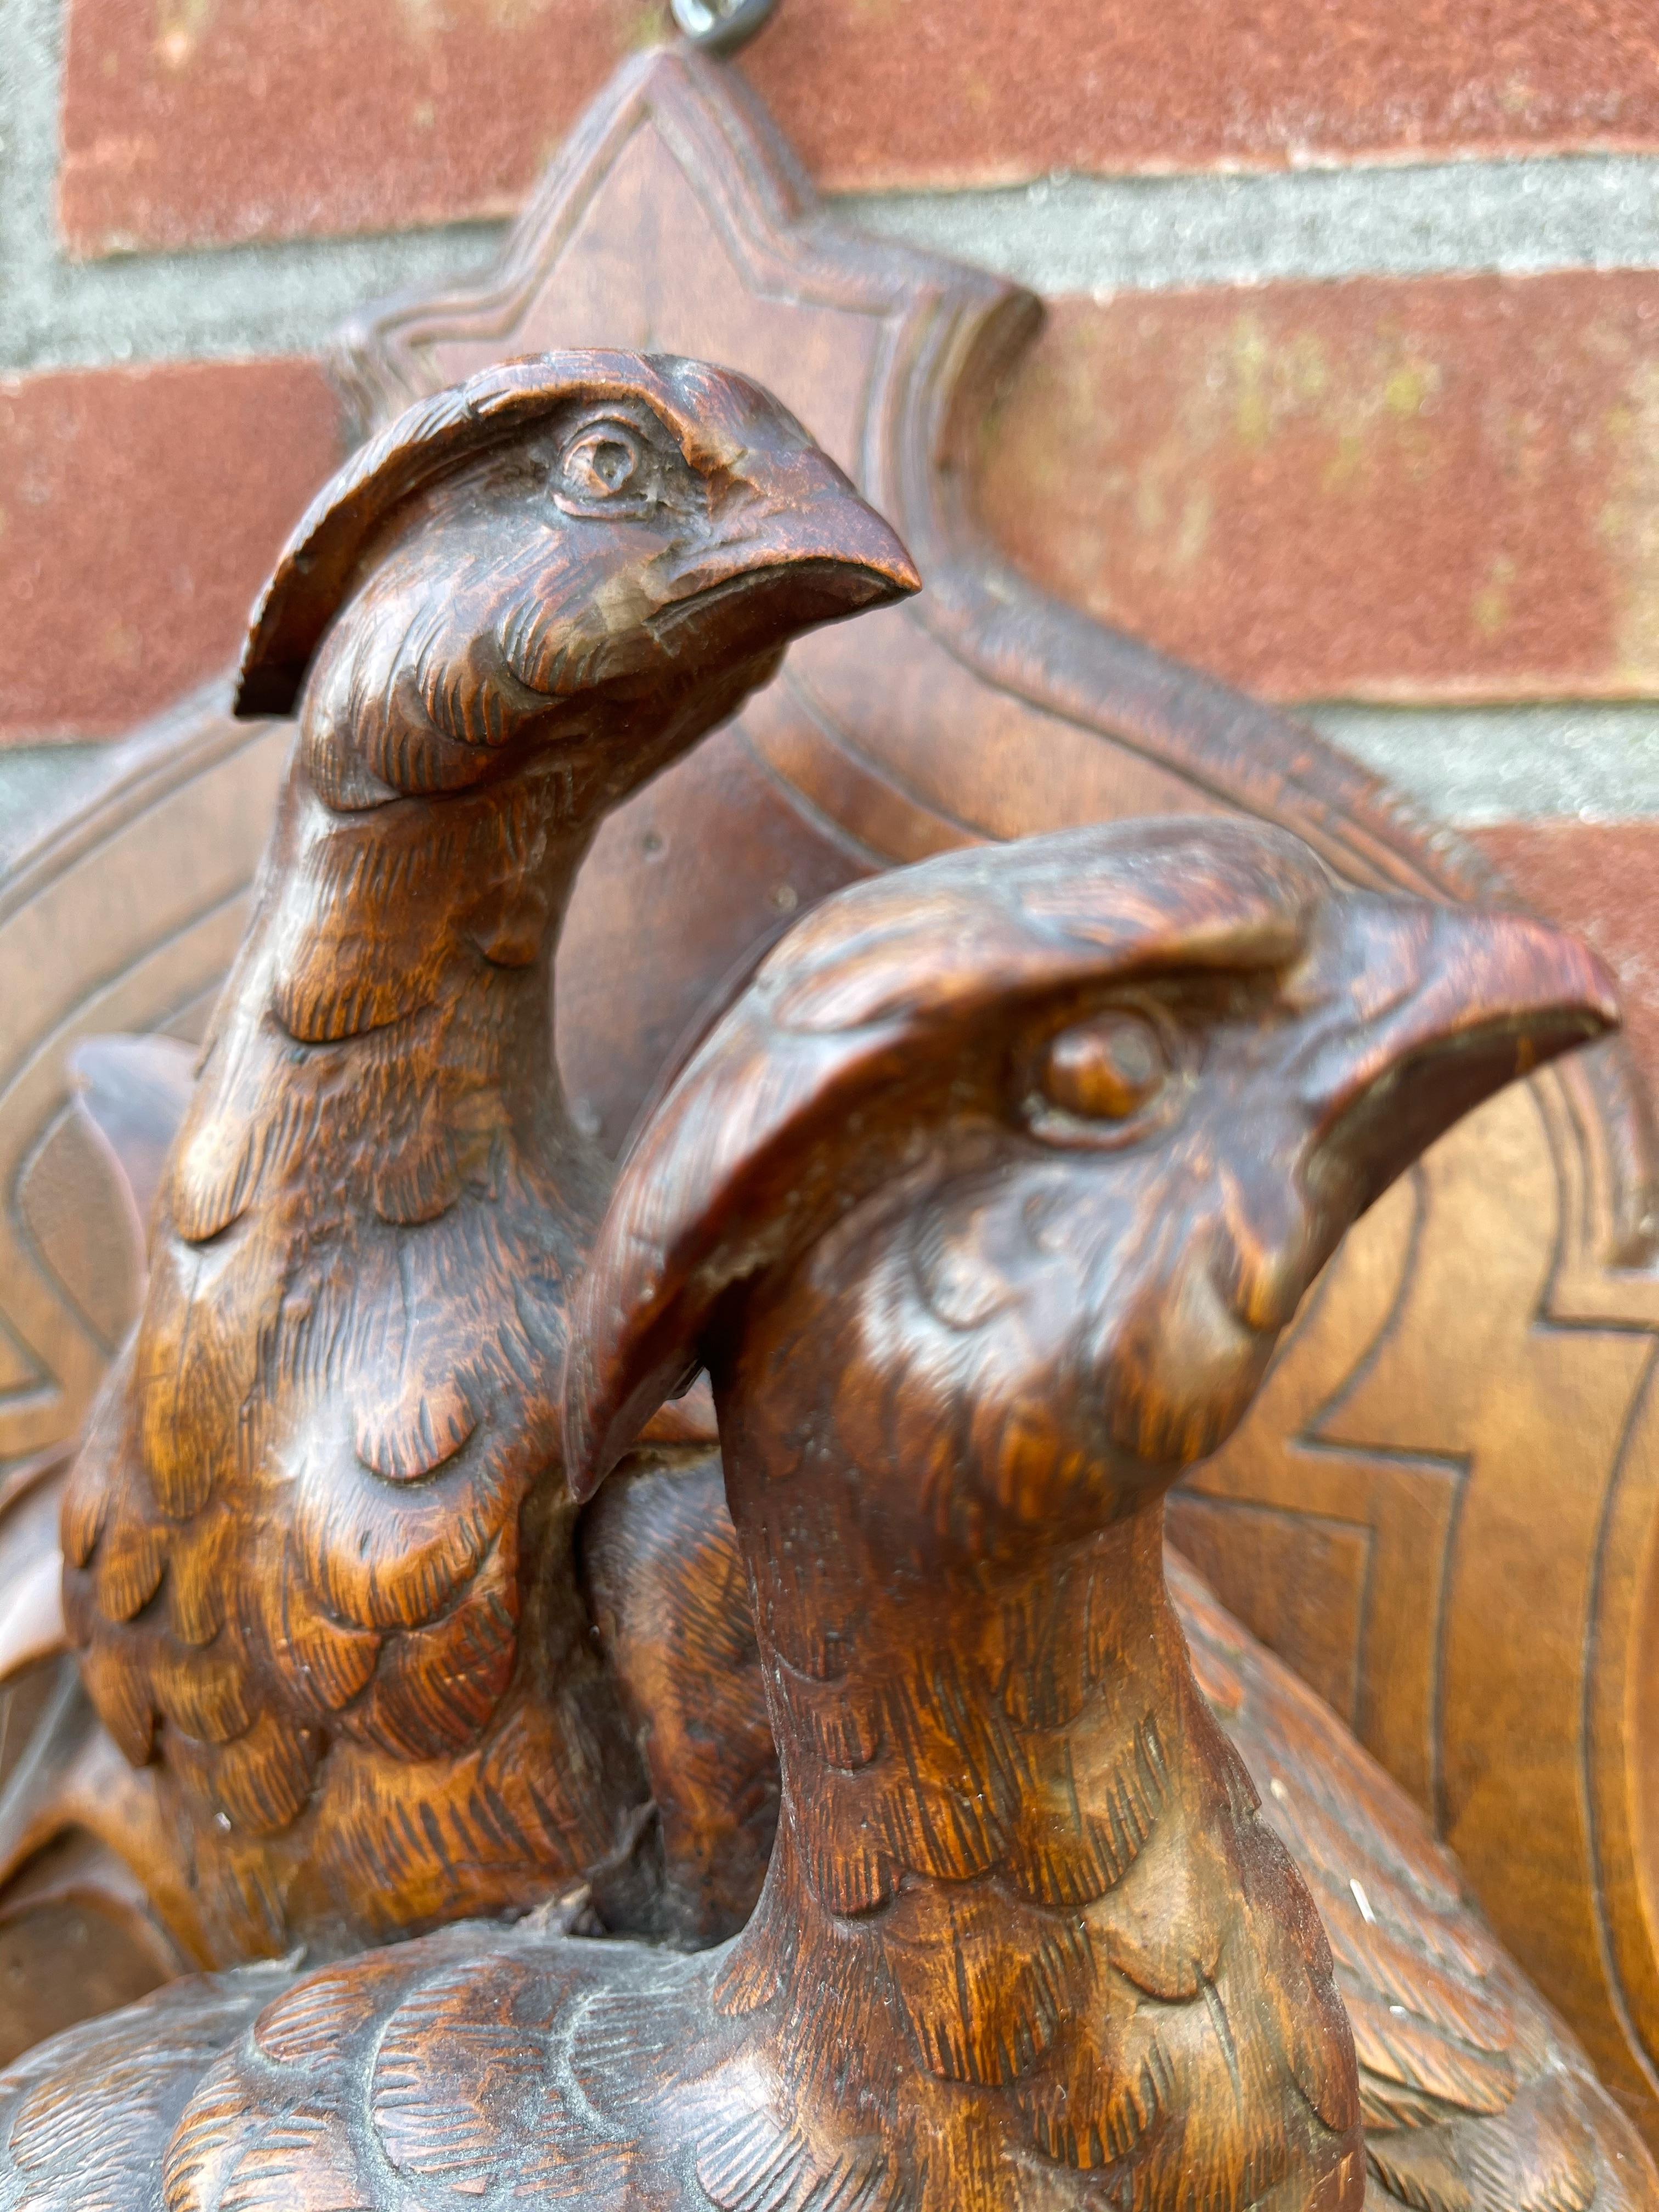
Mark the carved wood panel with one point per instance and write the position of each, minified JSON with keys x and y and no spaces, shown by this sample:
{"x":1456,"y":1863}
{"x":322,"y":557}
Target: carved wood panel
{"x":1444,"y":1509}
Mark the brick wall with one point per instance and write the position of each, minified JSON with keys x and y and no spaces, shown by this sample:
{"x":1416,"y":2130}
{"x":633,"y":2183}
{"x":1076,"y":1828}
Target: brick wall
{"x":1351,"y":394}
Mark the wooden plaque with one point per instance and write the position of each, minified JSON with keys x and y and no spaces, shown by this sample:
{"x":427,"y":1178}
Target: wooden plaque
{"x":1443,"y":1509}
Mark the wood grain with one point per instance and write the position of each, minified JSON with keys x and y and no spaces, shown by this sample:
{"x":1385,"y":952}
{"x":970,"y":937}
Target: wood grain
{"x":318,"y":1558}
{"x":1496,"y":1654}
{"x":985,"y":709}
{"x":984,"y":1207}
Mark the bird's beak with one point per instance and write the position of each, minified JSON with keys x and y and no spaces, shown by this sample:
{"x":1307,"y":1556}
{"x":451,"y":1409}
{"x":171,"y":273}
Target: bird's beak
{"x":794,"y":547}
{"x":1442,"y":1006}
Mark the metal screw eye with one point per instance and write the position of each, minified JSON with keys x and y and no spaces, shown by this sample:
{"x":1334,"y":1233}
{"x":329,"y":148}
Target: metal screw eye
{"x":720,"y":26}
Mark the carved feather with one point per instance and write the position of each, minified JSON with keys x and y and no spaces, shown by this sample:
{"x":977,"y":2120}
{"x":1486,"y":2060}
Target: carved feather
{"x":1475,"y":2099}
{"x":435,"y":1687}
{"x":61,"y":2153}
{"x":345,"y":1375}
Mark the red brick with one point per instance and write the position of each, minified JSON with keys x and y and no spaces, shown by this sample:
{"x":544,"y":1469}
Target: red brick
{"x":1435,"y":489}
{"x":260,"y":118}
{"x":194,"y":119}
{"x":139,"y":511}
{"x":1601,"y":879}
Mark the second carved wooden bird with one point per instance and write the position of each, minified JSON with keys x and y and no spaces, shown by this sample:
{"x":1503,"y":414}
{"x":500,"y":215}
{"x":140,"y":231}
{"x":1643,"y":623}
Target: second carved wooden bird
{"x":984,"y":1208}
{"x":318,"y":1544}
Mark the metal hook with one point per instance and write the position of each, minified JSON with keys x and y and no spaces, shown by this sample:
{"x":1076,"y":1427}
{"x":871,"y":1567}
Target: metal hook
{"x":720,"y":26}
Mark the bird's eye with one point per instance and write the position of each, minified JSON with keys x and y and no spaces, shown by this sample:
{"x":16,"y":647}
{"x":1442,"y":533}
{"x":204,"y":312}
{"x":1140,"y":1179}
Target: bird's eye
{"x":1106,"y":1069}
{"x":605,"y":461}
{"x":1097,"y":1081}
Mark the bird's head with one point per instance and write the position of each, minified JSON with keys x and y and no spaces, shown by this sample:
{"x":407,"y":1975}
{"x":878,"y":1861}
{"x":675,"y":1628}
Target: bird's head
{"x":1053,"y":1137}
{"x":578,"y":549}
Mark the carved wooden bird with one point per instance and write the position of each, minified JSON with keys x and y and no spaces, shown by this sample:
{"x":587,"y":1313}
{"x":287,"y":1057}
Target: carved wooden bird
{"x":1474,"y":2096}
{"x":317,"y":1543}
{"x":984,"y":1207}
{"x":1475,"y":2099}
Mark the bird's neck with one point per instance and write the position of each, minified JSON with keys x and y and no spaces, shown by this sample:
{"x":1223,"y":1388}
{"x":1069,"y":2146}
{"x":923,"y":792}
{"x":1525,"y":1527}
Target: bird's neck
{"x":441,"y":913}
{"x":387,"y":1032}
{"x":987,"y":1745}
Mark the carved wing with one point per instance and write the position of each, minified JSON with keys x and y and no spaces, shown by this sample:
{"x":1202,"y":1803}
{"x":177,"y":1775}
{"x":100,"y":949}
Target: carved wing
{"x":293,"y":1524}
{"x":420,"y":2072}
{"x":280,"y":1555}
{"x":1475,"y":2097}
{"x":85,"y":2121}
{"x":670,"y":1600}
